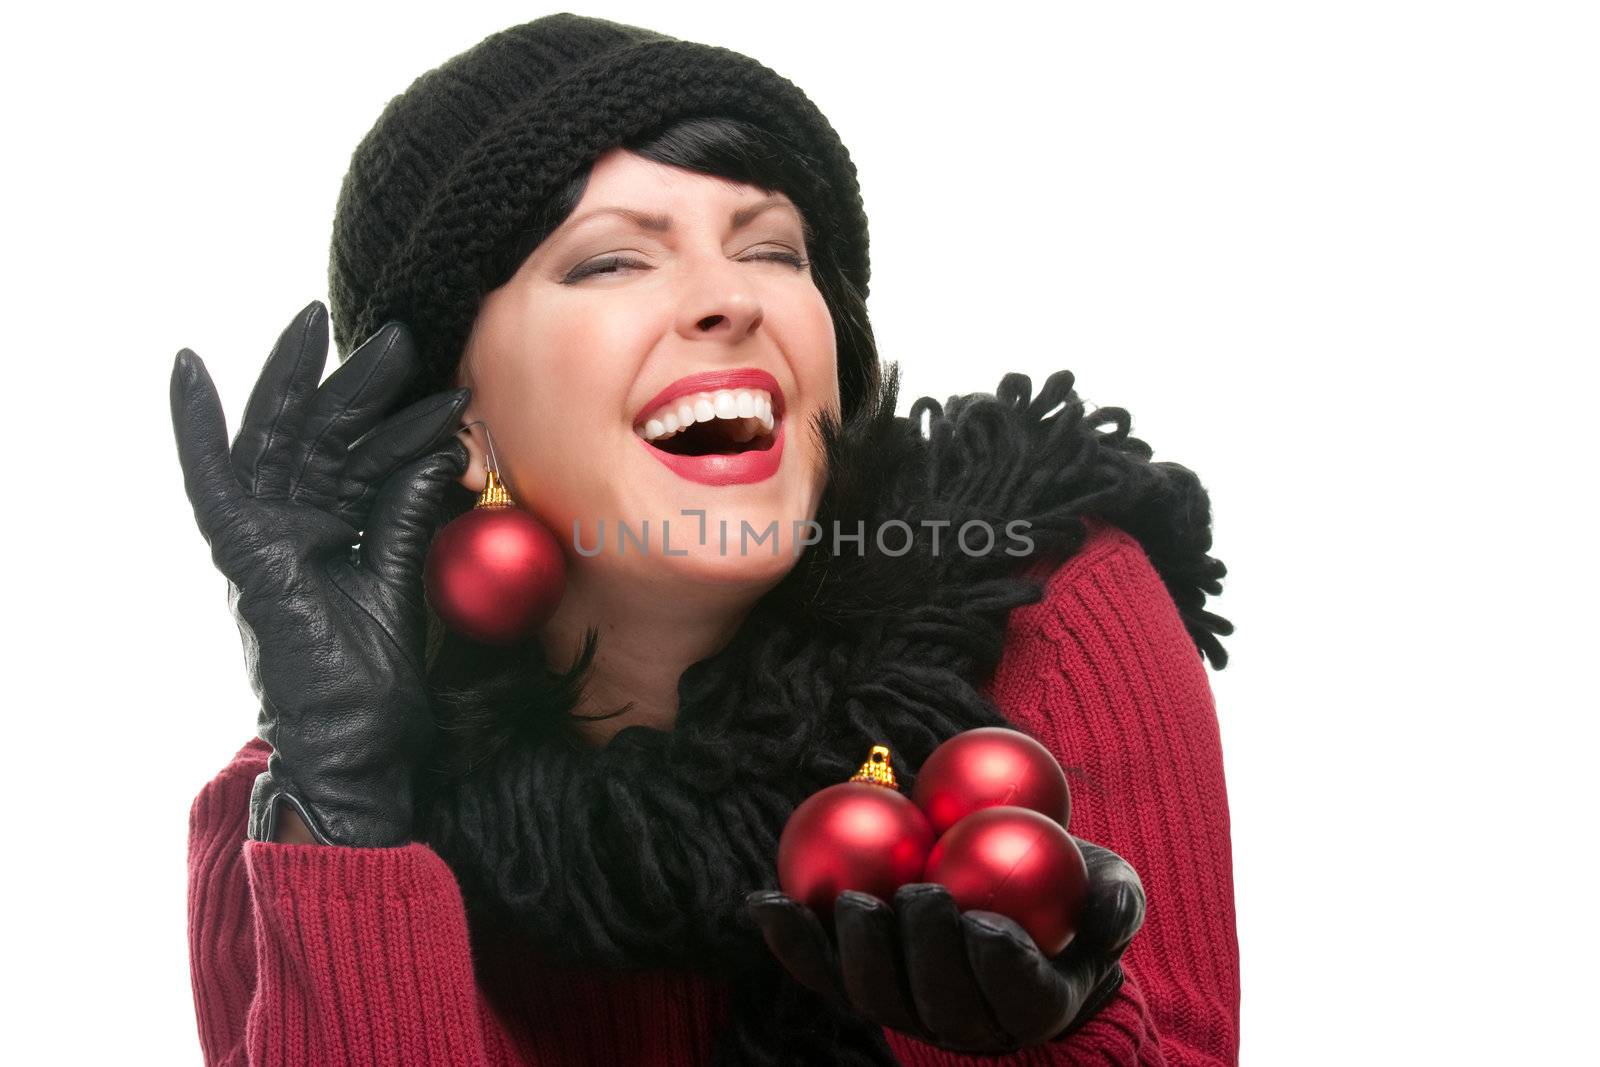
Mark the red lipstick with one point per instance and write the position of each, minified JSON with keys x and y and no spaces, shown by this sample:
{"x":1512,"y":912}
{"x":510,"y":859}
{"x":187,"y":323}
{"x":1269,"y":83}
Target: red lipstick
{"x":738,"y":468}
{"x":710,"y":381}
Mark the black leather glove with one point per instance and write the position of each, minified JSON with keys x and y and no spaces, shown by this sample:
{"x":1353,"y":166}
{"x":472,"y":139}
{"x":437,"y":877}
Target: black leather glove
{"x":965,"y":981}
{"x":333,"y":630}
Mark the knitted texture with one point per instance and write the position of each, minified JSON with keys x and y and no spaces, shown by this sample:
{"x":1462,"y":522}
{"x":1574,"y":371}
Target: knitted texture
{"x":456,"y":166}
{"x":308,"y":955}
{"x":851,"y":648}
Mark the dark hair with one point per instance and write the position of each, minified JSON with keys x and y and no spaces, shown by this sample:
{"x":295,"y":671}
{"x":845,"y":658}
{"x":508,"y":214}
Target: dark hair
{"x":486,"y":697}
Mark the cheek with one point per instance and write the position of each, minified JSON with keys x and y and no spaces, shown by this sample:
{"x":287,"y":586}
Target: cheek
{"x":554,"y":376}
{"x":813,"y":352}
{"x":817,"y":353}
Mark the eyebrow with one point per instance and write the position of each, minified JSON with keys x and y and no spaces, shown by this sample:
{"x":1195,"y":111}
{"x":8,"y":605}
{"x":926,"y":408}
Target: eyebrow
{"x":662,"y":223}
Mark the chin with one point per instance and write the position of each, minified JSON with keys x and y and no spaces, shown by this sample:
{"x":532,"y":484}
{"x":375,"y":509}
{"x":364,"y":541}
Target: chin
{"x":707,"y":565}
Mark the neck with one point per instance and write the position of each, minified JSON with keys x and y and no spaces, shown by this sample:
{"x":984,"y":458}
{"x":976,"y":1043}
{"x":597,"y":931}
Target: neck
{"x":648,"y":635}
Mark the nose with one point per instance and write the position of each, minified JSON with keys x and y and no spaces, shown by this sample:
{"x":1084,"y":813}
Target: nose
{"x":719,"y":300}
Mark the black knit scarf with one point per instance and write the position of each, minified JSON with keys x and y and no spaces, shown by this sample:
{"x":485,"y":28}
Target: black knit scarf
{"x":640,"y":854}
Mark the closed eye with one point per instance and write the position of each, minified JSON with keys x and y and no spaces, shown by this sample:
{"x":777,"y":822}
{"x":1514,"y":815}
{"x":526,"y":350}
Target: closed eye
{"x":616,"y":264}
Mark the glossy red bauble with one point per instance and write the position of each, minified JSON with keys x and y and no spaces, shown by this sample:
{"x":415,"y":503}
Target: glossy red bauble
{"x":988,"y":767}
{"x":495,"y":575}
{"x":1019,"y":863}
{"x":854,"y":835}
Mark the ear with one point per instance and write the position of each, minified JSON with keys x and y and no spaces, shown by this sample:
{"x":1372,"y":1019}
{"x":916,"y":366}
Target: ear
{"x":476,"y":475}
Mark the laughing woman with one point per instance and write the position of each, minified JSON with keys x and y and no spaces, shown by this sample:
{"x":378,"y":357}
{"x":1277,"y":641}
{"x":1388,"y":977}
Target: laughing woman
{"x":627,"y":275}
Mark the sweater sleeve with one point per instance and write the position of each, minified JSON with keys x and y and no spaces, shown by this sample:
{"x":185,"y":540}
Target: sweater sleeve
{"x":312,"y":954}
{"x":1102,"y":671}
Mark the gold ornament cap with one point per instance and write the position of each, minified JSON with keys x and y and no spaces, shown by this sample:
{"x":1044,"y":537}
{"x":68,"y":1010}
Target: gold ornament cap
{"x":494,"y":494}
{"x":877,"y":769}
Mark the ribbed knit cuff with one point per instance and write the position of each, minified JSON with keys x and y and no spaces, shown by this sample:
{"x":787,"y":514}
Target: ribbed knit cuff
{"x":1121,"y":1033}
{"x":1098,"y":999}
{"x":360,"y":949}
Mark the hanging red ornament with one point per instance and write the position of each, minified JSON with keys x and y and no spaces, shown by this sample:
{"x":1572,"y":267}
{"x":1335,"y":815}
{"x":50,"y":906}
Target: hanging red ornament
{"x":1018,"y":863}
{"x":495,"y":574}
{"x":988,"y":767}
{"x":861,"y":834}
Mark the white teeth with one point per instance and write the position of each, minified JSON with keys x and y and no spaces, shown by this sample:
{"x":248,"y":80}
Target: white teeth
{"x":751,"y":407}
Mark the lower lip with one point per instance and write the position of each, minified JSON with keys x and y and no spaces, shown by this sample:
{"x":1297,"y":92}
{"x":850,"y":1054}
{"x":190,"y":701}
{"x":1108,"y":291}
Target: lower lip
{"x":736,"y":468}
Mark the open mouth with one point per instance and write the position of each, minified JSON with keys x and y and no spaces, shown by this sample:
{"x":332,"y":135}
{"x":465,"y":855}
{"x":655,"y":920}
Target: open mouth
{"x":717,"y":422}
{"x":719,"y":437}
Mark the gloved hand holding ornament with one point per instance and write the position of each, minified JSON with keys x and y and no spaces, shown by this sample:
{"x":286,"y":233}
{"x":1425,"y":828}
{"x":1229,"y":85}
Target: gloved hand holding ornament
{"x":1005,"y":930}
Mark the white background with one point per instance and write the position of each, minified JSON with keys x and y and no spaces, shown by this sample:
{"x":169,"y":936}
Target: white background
{"x":1339,"y":259}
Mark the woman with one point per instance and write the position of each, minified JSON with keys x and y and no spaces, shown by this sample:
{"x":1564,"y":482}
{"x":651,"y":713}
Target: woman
{"x":440,"y":851}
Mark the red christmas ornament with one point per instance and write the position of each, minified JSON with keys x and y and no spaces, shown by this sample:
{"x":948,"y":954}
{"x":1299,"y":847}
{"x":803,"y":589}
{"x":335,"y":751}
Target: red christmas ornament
{"x":495,"y":574}
{"x":862,"y":834}
{"x":989,"y":767}
{"x":1019,"y":863}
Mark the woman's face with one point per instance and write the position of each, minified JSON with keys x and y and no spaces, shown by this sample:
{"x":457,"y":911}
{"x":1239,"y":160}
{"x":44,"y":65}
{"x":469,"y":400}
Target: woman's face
{"x":617,"y":333}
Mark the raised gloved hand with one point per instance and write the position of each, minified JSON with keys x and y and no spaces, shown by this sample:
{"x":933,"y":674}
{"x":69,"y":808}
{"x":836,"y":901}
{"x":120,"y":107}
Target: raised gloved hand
{"x":966,"y":981}
{"x":333,"y":630}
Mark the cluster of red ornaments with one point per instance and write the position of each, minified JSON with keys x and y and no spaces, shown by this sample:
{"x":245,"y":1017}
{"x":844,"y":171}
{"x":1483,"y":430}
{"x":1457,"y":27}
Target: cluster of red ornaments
{"x":987,"y":820}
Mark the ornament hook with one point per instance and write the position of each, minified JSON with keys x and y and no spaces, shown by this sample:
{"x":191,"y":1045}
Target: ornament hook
{"x":494,"y":461}
{"x":494,"y":493}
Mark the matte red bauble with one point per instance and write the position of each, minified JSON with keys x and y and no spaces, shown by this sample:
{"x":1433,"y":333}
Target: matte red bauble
{"x":988,"y":767}
{"x":1019,"y":863}
{"x":862,"y":834}
{"x":495,"y":574}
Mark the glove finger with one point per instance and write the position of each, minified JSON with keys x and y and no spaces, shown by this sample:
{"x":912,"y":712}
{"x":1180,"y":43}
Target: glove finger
{"x":1114,"y":908}
{"x":869,"y":955}
{"x":944,"y":990}
{"x":1031,"y":999}
{"x":406,"y":515}
{"x":796,"y":937}
{"x":417,"y":429}
{"x":263,"y":454}
{"x":201,"y":431}
{"x":347,"y":405}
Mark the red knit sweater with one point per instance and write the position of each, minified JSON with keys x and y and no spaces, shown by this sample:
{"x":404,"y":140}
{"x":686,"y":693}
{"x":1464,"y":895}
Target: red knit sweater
{"x":308,"y":954}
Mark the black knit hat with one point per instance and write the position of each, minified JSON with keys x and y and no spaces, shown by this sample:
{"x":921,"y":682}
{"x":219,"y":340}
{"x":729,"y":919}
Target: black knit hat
{"x":458,"y":165}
